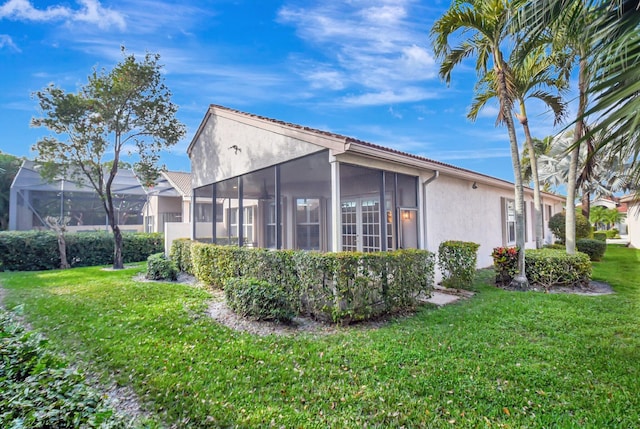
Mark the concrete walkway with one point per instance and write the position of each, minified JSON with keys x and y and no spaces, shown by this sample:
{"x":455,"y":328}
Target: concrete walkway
{"x":443,"y":296}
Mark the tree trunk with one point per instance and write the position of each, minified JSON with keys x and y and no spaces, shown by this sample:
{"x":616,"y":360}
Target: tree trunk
{"x":62,"y":248}
{"x":537,"y":200}
{"x":570,"y":226}
{"x":586,"y":204}
{"x":520,"y":279}
{"x":118,"y":262}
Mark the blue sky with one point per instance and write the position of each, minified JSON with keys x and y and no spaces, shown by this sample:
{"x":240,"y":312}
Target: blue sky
{"x":361,"y":68}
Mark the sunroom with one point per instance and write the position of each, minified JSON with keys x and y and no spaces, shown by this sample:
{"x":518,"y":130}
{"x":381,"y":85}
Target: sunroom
{"x":292,"y":205}
{"x":266,"y":183}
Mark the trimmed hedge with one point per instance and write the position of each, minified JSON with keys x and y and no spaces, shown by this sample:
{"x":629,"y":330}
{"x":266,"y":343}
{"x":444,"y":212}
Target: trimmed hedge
{"x":594,"y":248}
{"x":180,"y":253}
{"x":457,"y":261}
{"x":257,"y":299}
{"x":38,"y":250}
{"x":342,"y":287}
{"x":545,"y":267}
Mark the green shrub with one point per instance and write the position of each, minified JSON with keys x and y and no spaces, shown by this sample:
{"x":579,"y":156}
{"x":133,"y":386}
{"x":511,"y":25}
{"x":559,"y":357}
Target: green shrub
{"x":612,"y":233}
{"x":543,"y":267}
{"x":161,"y":268}
{"x":594,"y":248}
{"x":341,"y":287}
{"x":257,"y":299}
{"x":180,"y":253}
{"x":556,"y":246}
{"x":138,"y":246}
{"x":549,"y":267}
{"x":38,"y":390}
{"x":505,"y":264}
{"x":557,"y":226}
{"x":600,"y":235}
{"x":38,"y":250}
{"x":457,"y":261}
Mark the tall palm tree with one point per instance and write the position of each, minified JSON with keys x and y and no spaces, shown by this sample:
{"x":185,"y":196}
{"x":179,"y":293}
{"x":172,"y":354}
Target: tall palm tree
{"x":534,"y":77}
{"x":611,"y":42}
{"x":484,"y":28}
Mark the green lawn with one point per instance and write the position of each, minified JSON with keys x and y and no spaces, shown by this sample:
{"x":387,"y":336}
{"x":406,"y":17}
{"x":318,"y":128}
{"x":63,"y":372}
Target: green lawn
{"x":500,"y":359}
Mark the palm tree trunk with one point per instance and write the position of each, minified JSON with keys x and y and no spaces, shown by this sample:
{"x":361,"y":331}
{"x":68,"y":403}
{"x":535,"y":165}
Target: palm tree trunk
{"x":570,"y":226}
{"x":537,"y":200}
{"x":520,"y":279}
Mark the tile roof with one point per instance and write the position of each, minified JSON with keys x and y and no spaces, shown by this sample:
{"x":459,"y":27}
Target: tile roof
{"x":181,"y":181}
{"x":348,"y":139}
{"x":433,"y":163}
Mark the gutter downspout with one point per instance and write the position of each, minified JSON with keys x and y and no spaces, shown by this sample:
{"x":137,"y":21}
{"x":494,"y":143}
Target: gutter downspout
{"x":436,"y":174}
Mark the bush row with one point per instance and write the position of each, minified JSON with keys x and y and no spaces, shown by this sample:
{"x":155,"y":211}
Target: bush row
{"x":38,"y":390}
{"x":341,"y":287}
{"x":38,"y":250}
{"x":544,"y":267}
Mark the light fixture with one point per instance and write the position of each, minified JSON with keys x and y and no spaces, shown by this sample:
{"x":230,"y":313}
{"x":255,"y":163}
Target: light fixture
{"x":389,"y":216}
{"x":474,"y":186}
{"x":406,"y":215}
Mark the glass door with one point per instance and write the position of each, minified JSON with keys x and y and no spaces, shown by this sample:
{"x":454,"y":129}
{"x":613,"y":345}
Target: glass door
{"x":361,"y":224}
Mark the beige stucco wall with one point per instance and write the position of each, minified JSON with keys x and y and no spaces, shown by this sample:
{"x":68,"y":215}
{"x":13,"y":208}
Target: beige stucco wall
{"x":456,"y":211}
{"x":633,"y":224}
{"x":213,"y":158}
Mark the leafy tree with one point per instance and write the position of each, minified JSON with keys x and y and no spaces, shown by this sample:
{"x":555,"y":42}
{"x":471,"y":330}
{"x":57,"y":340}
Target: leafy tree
{"x":483,"y":28}
{"x":129,"y":106}
{"x":9,"y":166}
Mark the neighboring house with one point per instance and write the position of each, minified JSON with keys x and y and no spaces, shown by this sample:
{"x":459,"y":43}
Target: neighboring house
{"x":32,"y":199}
{"x":169,"y":200}
{"x":281,"y":185}
{"x":633,"y":219}
{"x":615,"y":203}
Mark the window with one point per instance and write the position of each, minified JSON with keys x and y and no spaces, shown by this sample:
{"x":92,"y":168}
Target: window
{"x":510,"y":221}
{"x":247,"y":227}
{"x":308,"y":223}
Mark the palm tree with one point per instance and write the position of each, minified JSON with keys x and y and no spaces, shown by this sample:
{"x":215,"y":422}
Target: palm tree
{"x":533,"y":78}
{"x":484,"y":28}
{"x":612,"y":55}
{"x":601,"y":174}
{"x":540,"y":147}
{"x":598,"y":216}
{"x":612,"y":217}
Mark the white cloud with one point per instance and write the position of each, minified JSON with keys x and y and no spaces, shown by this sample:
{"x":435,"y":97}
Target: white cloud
{"x":7,"y":42}
{"x":489,"y":111}
{"x":23,"y":10}
{"x":409,"y":94}
{"x":90,"y":11}
{"x":374,"y":46}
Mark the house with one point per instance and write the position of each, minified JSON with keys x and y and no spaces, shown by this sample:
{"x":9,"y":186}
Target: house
{"x":168,"y":200}
{"x":282,"y":185}
{"x":621,"y":207}
{"x":32,"y":200}
{"x":632,"y":205}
